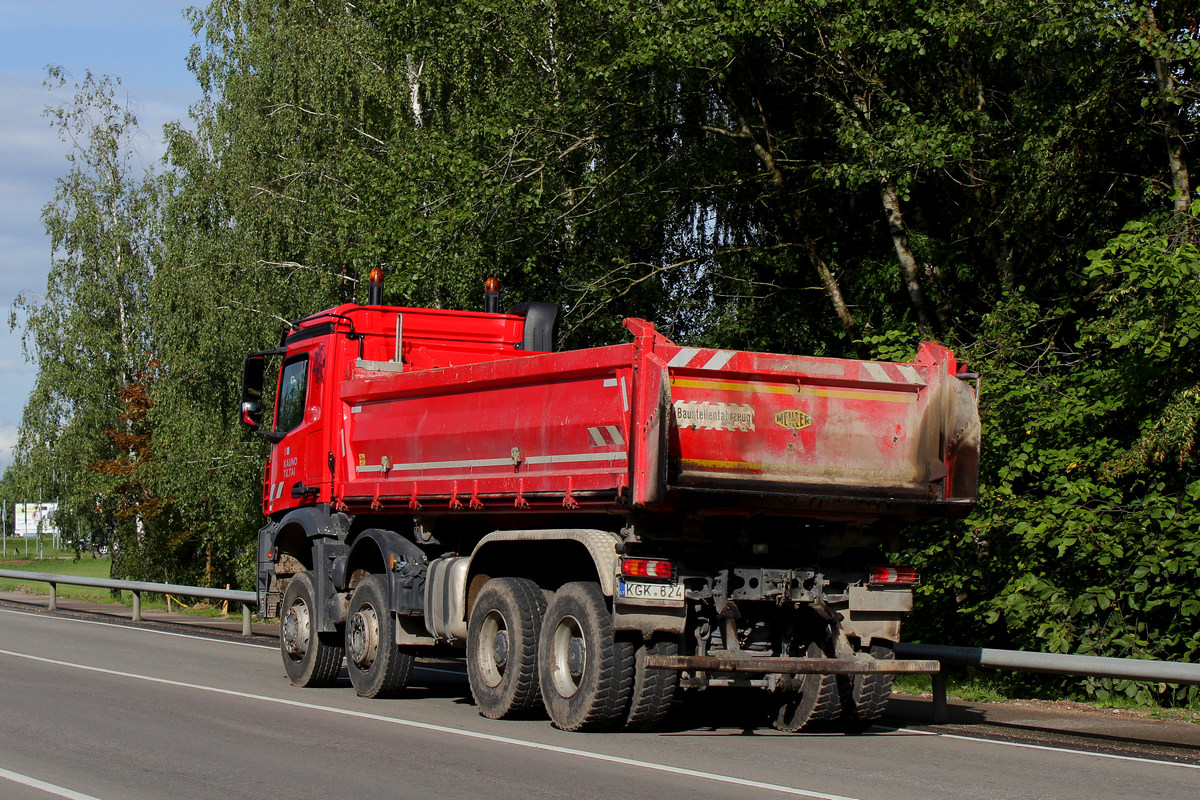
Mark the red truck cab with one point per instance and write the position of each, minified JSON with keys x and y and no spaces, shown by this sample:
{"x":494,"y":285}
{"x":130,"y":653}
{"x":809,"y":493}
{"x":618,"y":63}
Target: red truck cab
{"x":321,"y":352}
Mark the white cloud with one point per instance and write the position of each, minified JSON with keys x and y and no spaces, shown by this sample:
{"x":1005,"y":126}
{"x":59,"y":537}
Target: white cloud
{"x":8,"y":441}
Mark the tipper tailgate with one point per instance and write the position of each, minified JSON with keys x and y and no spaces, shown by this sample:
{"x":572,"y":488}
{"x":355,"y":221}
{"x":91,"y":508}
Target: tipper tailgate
{"x":818,"y":426}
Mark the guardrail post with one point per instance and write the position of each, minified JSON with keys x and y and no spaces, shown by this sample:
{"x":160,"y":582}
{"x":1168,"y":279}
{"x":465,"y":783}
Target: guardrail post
{"x":246,"y":631}
{"x":941,"y":711}
{"x":53,"y":596}
{"x":137,"y":606}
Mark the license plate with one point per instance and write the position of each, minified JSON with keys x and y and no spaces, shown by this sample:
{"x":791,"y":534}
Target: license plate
{"x":631,"y":590}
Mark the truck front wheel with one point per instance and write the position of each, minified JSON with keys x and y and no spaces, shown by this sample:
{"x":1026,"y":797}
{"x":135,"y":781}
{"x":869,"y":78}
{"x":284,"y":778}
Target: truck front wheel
{"x":586,"y":674}
{"x":309,"y":658}
{"x":502,"y":646}
{"x":377,"y":667}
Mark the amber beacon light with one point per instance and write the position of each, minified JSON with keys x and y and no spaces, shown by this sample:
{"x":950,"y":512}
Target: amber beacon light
{"x":375,"y":287}
{"x":491,"y":296}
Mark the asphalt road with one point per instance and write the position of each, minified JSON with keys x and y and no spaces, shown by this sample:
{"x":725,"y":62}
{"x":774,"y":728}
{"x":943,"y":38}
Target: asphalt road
{"x":99,"y":710}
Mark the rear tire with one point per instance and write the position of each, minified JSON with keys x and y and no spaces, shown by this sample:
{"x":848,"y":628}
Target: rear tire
{"x":377,"y":667}
{"x":586,"y":675}
{"x":815,"y":702}
{"x":653,"y":689}
{"x":310,"y":658}
{"x":864,"y":698}
{"x":502,"y":647}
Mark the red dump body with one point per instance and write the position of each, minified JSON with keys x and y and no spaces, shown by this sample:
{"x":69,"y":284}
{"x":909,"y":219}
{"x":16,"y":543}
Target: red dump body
{"x":439,"y":412}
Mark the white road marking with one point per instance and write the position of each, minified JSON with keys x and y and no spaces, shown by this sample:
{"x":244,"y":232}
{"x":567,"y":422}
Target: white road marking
{"x":48,"y":788}
{"x":134,"y":627}
{"x":905,"y":731}
{"x":425,"y":726}
{"x":1066,"y":750}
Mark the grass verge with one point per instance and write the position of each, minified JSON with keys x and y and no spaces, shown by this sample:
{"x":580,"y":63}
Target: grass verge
{"x":971,"y":685}
{"x":64,"y":562}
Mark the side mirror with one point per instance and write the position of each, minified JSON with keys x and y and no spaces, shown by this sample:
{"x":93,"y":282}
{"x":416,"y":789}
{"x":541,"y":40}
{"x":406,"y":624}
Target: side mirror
{"x":252,"y":386}
{"x":253,"y":372}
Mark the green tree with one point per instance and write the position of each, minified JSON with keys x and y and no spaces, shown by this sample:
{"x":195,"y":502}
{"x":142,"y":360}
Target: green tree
{"x":788,"y":175}
{"x":89,"y":334}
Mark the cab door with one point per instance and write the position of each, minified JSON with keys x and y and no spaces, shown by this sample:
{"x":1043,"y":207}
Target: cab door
{"x":299,"y":472}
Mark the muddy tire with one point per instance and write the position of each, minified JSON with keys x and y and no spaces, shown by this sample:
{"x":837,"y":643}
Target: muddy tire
{"x":586,"y":675}
{"x":377,"y":667}
{"x":816,"y":701}
{"x":653,"y":689}
{"x":502,"y":647}
{"x":864,"y":698}
{"x":309,"y":658}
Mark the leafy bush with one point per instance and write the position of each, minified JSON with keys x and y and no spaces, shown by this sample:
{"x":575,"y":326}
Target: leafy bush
{"x":1087,"y":535}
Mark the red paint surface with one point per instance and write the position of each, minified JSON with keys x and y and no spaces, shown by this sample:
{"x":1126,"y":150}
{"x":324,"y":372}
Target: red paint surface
{"x":469,"y":423}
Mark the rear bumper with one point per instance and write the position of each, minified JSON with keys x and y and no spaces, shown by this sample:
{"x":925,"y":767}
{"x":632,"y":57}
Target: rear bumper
{"x":854,"y":665}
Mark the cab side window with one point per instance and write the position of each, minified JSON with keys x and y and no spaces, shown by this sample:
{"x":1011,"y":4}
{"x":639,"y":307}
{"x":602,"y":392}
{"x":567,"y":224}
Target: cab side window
{"x":292,"y":394}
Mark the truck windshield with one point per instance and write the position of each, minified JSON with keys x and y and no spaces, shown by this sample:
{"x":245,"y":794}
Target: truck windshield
{"x":292,"y":385}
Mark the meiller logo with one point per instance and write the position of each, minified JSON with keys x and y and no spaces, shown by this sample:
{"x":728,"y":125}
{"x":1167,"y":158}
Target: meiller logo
{"x":793,"y":418}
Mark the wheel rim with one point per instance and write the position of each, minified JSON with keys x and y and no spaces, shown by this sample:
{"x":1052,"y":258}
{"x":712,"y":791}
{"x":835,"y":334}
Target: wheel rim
{"x":493,"y":649}
{"x":362,"y":637}
{"x":296,"y":629}
{"x":568,"y":656}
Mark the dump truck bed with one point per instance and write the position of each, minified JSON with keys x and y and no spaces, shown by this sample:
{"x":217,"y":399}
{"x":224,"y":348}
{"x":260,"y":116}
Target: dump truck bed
{"x":652,"y":425}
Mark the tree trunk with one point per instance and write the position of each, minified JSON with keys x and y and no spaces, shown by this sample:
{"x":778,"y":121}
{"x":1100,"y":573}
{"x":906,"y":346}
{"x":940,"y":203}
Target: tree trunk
{"x":412,"y":74}
{"x":908,"y":263}
{"x":834,"y":290}
{"x":775,"y":175}
{"x":1177,"y":162}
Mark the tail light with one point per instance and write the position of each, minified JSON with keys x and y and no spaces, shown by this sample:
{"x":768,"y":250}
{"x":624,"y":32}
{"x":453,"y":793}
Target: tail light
{"x":894,"y":576}
{"x":647,"y":568}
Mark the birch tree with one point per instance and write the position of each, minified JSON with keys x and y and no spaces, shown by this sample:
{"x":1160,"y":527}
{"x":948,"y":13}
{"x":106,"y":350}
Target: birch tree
{"x":88,"y":333}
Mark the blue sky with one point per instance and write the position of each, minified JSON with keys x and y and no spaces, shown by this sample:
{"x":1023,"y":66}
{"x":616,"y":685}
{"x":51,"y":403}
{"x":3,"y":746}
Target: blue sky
{"x":145,"y":43}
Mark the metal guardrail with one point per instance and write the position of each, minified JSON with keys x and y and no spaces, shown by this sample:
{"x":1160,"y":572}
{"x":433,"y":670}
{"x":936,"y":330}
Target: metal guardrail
{"x":1021,"y":660}
{"x":1056,"y":663}
{"x":247,"y":599}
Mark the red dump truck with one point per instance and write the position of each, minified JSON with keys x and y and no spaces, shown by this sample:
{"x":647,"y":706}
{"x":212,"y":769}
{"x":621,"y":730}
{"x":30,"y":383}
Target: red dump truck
{"x":600,"y":530}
